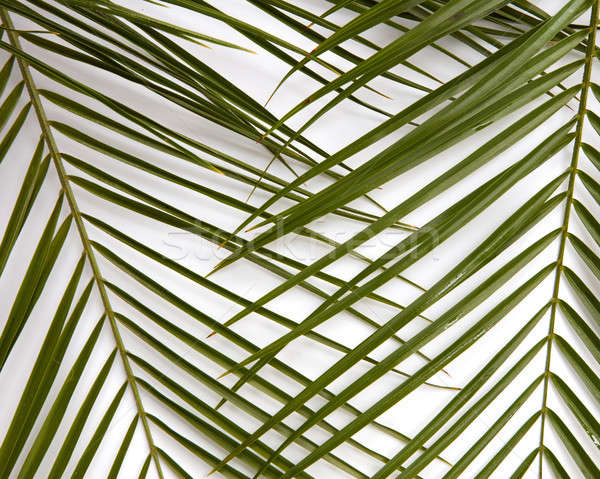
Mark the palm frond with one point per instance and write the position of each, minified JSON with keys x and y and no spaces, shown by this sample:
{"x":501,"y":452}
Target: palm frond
{"x":134,"y":363}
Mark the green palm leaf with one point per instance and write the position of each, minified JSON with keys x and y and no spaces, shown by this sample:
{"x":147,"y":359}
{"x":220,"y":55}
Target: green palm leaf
{"x":466,"y":346}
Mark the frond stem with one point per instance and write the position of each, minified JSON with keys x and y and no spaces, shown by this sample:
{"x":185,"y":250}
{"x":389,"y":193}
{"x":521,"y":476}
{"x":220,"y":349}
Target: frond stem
{"x":56,"y":159}
{"x":587,"y":75}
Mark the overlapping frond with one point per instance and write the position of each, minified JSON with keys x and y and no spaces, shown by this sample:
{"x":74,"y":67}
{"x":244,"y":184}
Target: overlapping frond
{"x":128,"y":357}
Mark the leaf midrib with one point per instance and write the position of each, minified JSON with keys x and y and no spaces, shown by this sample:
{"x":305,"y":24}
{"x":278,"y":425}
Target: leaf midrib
{"x":87,"y":246}
{"x":581,"y":114}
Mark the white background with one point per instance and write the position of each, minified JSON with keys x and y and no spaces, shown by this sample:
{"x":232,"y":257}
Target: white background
{"x":258,"y":75}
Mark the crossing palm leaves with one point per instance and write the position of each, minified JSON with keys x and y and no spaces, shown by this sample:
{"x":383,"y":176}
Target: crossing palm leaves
{"x":127,"y":361}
